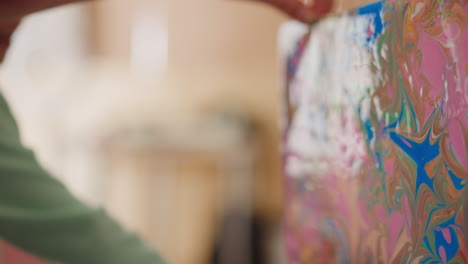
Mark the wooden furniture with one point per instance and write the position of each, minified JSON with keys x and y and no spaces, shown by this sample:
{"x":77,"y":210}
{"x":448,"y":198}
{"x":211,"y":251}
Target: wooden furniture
{"x":174,"y":186}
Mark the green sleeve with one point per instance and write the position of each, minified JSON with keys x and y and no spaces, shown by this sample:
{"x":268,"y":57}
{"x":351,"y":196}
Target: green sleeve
{"x":39,"y":215}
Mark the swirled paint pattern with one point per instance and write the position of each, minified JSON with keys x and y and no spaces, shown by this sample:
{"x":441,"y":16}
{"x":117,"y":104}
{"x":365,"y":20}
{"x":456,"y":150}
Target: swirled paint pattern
{"x":376,"y":138}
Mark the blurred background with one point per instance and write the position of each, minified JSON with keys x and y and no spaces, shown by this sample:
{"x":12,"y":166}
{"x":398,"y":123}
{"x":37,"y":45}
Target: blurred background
{"x":165,"y":112}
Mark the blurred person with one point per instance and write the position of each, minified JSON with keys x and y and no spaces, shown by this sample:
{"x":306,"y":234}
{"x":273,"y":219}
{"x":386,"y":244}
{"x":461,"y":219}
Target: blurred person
{"x":37,"y":212}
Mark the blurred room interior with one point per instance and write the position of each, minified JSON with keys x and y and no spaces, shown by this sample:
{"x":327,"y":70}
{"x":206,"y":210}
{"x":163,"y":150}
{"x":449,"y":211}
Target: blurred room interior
{"x":165,"y":112}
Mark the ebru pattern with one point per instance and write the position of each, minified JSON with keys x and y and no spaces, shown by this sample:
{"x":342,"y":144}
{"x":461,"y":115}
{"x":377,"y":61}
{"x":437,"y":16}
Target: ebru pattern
{"x":376,"y":138}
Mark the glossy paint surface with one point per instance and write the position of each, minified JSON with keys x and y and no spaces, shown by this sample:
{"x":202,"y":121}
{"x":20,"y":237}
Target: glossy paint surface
{"x":376,"y":136}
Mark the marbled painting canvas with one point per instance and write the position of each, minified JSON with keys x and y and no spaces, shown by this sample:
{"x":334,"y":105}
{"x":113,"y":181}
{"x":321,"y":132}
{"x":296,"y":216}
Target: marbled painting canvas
{"x":376,"y":136}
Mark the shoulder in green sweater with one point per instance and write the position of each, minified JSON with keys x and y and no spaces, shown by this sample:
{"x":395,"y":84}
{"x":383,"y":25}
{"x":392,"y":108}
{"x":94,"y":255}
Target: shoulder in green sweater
{"x":39,"y":215}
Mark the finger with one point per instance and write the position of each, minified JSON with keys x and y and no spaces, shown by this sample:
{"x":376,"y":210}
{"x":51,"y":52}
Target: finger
{"x":307,"y":11}
{"x":295,"y":9}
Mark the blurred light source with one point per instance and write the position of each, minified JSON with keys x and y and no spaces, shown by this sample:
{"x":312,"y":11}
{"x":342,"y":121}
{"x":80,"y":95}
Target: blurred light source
{"x":149,"y":44}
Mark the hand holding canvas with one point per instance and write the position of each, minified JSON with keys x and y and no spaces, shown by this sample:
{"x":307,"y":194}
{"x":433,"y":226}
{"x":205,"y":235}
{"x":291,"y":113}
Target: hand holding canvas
{"x":306,"y":11}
